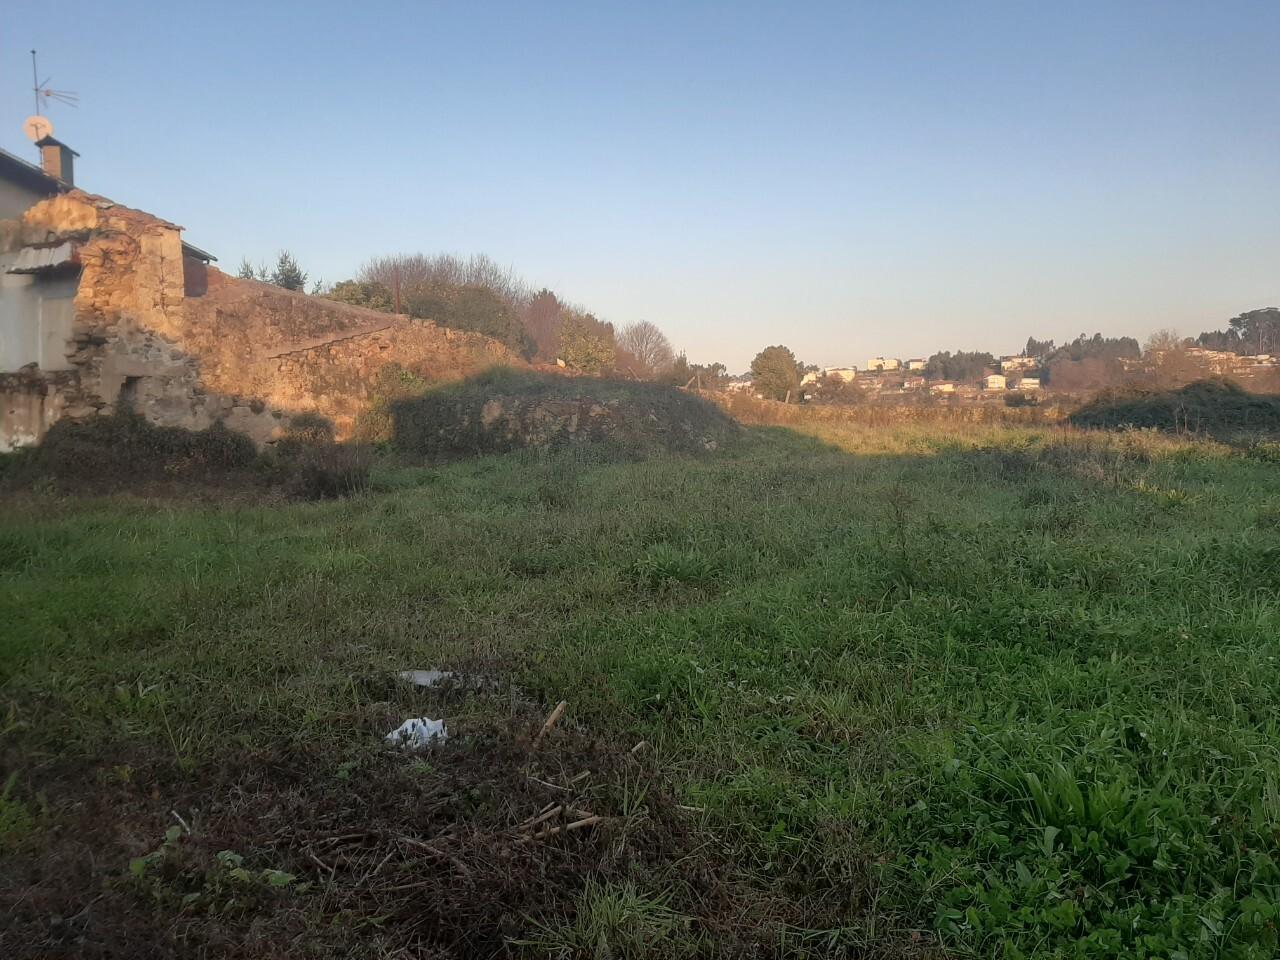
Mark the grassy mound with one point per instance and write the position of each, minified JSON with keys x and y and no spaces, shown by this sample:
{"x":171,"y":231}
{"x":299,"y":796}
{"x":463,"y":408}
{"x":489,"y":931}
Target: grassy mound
{"x":127,"y":453}
{"x":503,"y":410}
{"x":1215,"y":407}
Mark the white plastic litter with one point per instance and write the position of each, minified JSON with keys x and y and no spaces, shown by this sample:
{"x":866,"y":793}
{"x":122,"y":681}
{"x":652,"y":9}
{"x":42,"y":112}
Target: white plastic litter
{"x":426,"y":678}
{"x":418,"y":733}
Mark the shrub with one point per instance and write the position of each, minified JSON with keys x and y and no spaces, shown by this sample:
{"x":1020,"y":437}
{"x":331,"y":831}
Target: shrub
{"x":503,"y":410}
{"x":325,"y":472}
{"x":126,"y":452}
{"x":127,"y":448}
{"x":311,"y":466}
{"x":1215,"y":407}
{"x":391,"y":385}
{"x":305,"y":431}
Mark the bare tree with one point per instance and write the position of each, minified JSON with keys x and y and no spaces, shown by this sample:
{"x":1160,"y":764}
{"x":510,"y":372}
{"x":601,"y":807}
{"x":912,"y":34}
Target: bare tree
{"x":1170,"y":363}
{"x":404,"y":271}
{"x":649,"y":345}
{"x":1162,"y":341}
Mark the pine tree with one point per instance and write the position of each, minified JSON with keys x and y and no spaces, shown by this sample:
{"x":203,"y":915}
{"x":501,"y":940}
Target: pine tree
{"x":287,"y":273}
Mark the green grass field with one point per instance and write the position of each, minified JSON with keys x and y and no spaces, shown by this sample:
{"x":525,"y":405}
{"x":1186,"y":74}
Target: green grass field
{"x":986,"y":692}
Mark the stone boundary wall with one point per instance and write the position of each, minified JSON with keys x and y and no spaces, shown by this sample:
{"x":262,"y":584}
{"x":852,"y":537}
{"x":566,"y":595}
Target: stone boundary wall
{"x":189,"y":350}
{"x":291,"y":353}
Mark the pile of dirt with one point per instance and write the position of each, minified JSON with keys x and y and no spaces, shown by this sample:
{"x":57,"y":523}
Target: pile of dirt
{"x":489,"y":838}
{"x":1218,"y":408}
{"x":503,"y":410}
{"x":126,"y":453}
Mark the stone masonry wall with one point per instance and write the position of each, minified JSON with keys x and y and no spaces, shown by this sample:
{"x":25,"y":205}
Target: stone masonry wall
{"x":247,"y":353}
{"x":291,"y":353}
{"x":128,"y":308}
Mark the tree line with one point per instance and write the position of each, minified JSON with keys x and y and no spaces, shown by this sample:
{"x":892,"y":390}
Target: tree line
{"x":479,"y":295}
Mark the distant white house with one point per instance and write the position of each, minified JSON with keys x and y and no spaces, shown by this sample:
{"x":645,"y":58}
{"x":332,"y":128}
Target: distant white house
{"x":809,"y":378}
{"x":737,"y":386}
{"x":1029,"y":383}
{"x":916,"y":363}
{"x":994,"y":381}
{"x":845,"y":374}
{"x":883,"y":363}
{"x":1011,"y":364}
{"x":945,"y":387}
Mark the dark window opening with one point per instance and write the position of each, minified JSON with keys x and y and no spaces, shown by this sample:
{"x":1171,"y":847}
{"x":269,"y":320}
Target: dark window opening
{"x":195,"y":277}
{"x":128,"y":399}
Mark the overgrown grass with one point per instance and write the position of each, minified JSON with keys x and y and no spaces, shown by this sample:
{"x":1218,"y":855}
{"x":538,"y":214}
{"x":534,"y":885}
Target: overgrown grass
{"x":989,"y":691}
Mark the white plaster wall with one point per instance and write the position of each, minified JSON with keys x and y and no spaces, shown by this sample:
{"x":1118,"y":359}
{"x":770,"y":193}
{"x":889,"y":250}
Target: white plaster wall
{"x":19,"y":322}
{"x":16,"y":200}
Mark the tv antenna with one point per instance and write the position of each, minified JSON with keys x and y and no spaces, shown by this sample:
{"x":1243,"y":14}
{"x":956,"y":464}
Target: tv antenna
{"x":45,"y":94}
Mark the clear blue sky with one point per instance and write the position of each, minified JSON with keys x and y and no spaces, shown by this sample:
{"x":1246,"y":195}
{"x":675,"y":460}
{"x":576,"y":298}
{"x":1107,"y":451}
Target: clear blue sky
{"x":846,"y":178}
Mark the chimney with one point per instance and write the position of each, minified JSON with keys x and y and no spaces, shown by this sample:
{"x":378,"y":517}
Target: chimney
{"x":57,"y":160}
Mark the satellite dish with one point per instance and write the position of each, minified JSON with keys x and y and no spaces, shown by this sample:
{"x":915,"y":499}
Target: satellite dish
{"x":37,"y":128}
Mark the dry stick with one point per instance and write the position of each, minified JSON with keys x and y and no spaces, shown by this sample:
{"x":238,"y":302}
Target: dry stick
{"x":576,"y":825}
{"x":555,"y":786}
{"x":550,"y":804}
{"x":548,"y":785}
{"x":551,"y":722}
{"x":378,"y":869}
{"x":542,"y":817}
{"x":343,"y":838}
{"x":439,"y":853}
{"x":322,"y":865}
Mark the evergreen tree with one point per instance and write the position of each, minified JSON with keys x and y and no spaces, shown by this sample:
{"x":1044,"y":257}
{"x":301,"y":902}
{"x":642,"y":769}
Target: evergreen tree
{"x":776,"y":373}
{"x":287,"y":273}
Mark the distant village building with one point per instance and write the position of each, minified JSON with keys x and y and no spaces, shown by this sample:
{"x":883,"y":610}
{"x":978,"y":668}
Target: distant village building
{"x":912,"y":383}
{"x":916,"y":363}
{"x":1014,"y":364}
{"x":843,"y":374}
{"x":809,"y":378}
{"x":1223,"y":362}
{"x":743,"y":385}
{"x":994,"y":381}
{"x":945,"y":387}
{"x":883,"y":363}
{"x":1029,"y":383}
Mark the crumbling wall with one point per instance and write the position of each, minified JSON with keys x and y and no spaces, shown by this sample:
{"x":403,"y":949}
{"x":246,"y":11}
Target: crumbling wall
{"x":186,"y":351}
{"x":291,"y":352}
{"x":31,"y":402}
{"x":128,"y":309}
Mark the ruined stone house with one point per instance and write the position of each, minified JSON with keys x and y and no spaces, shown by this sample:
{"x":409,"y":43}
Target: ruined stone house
{"x":105,"y":308}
